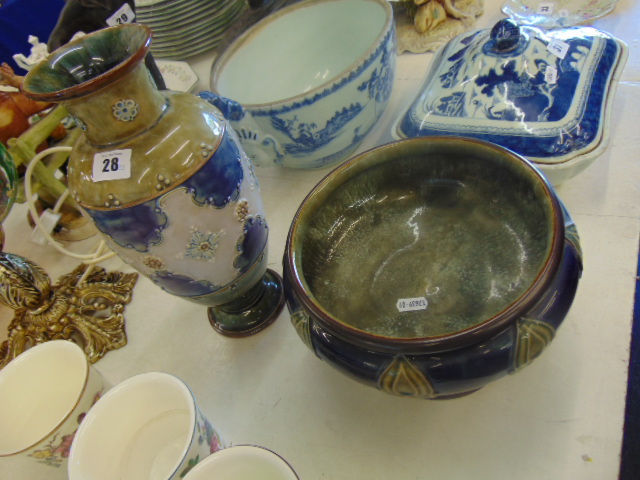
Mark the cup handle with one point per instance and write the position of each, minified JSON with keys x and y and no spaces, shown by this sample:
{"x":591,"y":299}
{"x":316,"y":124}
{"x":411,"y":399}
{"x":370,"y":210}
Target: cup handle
{"x":259,"y":146}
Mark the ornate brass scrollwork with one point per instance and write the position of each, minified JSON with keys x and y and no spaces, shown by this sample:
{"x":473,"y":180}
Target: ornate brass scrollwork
{"x":90,"y":313}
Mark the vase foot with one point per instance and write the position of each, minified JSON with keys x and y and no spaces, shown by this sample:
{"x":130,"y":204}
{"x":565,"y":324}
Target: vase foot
{"x":265,"y":306}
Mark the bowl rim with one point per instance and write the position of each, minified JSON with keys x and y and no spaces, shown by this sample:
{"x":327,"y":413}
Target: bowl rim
{"x":222,"y":59}
{"x":419,"y":345}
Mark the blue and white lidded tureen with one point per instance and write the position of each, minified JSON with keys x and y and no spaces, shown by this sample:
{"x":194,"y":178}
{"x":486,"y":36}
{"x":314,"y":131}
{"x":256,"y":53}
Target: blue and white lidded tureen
{"x":544,"y":95}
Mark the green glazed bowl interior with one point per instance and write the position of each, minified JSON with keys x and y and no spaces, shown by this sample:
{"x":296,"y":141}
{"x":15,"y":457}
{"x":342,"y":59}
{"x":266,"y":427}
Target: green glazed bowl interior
{"x":68,"y":71}
{"x":468,"y":226}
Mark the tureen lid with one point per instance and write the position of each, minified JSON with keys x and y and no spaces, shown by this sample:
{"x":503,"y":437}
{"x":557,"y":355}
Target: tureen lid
{"x":541,"y":94}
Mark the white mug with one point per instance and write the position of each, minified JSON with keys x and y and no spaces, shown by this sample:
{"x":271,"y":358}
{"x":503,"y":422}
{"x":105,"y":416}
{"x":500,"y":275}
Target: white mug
{"x":45,"y":393}
{"x":147,"y":427}
{"x":243,"y":462}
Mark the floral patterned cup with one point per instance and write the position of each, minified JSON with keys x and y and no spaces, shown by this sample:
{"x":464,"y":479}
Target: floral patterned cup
{"x":45,"y":393}
{"x":243,"y":462}
{"x":147,"y":427}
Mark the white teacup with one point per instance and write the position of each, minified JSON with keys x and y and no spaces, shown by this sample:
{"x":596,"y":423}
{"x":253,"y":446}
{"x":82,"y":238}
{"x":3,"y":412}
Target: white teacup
{"x":45,"y":393}
{"x":147,"y":427}
{"x":243,"y":462}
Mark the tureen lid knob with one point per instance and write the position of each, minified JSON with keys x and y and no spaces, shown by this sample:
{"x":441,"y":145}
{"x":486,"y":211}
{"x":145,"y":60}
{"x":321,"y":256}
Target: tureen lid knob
{"x":505,"y":35}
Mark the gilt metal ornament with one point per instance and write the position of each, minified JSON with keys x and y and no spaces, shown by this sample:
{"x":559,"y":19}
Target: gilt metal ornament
{"x":88,"y":311}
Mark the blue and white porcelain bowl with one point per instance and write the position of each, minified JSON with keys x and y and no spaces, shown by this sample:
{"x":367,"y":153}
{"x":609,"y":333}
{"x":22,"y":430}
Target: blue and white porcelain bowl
{"x":304,"y":86}
{"x":544,"y":95}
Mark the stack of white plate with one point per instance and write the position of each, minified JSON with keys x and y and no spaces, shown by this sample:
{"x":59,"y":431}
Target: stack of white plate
{"x":182,"y":28}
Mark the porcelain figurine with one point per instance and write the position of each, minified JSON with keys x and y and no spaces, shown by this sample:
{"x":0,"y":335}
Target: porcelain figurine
{"x":164,"y":178}
{"x":425,"y":25}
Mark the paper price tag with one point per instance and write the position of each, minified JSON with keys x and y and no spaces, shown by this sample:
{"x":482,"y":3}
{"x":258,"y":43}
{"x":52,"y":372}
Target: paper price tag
{"x":551,"y":75}
{"x":113,"y":165}
{"x":546,"y":8}
{"x":123,"y":15}
{"x":48,"y":221}
{"x":412,"y":304}
{"x":558,"y":48}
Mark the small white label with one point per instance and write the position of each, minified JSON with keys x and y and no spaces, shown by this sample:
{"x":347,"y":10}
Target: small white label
{"x":546,"y":8}
{"x":558,"y":48}
{"x":113,"y":165}
{"x":123,"y":15}
{"x":411,"y":304}
{"x":48,"y":221}
{"x":551,"y":75}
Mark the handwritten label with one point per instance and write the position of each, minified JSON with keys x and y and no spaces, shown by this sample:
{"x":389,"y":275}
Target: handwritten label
{"x":412,"y":304}
{"x":123,"y":15}
{"x":558,"y":48}
{"x":48,"y":221}
{"x":113,"y":165}
{"x":546,"y":8}
{"x":551,"y":75}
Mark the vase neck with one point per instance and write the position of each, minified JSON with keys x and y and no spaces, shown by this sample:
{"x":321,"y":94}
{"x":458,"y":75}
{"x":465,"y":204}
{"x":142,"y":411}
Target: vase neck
{"x":121,"y":110}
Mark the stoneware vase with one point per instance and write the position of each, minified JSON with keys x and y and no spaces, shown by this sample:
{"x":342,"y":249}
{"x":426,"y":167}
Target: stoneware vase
{"x":163,"y":178}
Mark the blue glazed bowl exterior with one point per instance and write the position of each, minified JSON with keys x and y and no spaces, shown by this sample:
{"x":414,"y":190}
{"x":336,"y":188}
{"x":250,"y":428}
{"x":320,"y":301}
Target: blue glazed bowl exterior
{"x":444,"y":369}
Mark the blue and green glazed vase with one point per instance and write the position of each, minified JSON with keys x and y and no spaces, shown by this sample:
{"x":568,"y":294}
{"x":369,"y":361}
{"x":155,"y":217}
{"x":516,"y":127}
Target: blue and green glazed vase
{"x":163,"y":178}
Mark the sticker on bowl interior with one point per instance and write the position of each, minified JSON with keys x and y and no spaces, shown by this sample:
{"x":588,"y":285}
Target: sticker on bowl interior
{"x":558,"y":48}
{"x":551,"y":75}
{"x":112,"y":165}
{"x":546,"y":8}
{"x":411,"y":304}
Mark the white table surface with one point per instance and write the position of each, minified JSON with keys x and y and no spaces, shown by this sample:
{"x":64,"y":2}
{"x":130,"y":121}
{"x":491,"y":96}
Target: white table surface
{"x":560,"y":418}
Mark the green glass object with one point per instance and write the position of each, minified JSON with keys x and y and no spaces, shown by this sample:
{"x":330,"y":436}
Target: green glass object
{"x":8,"y":187}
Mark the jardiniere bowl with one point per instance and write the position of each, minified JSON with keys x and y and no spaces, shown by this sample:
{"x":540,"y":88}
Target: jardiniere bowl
{"x":430,"y":267}
{"x":304,"y":86}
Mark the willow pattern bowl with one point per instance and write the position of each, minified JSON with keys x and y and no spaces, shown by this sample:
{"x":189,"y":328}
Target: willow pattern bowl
{"x":430,"y":267}
{"x":305,"y":85}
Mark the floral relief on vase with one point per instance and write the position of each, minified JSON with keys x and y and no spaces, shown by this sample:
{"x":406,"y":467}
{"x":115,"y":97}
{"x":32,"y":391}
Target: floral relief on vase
{"x":203,"y":245}
{"x":125,"y":110}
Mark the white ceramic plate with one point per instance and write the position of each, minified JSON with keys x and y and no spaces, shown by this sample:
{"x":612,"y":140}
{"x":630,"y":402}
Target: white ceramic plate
{"x":556,"y":13}
{"x":196,"y":29}
{"x":178,"y":76}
